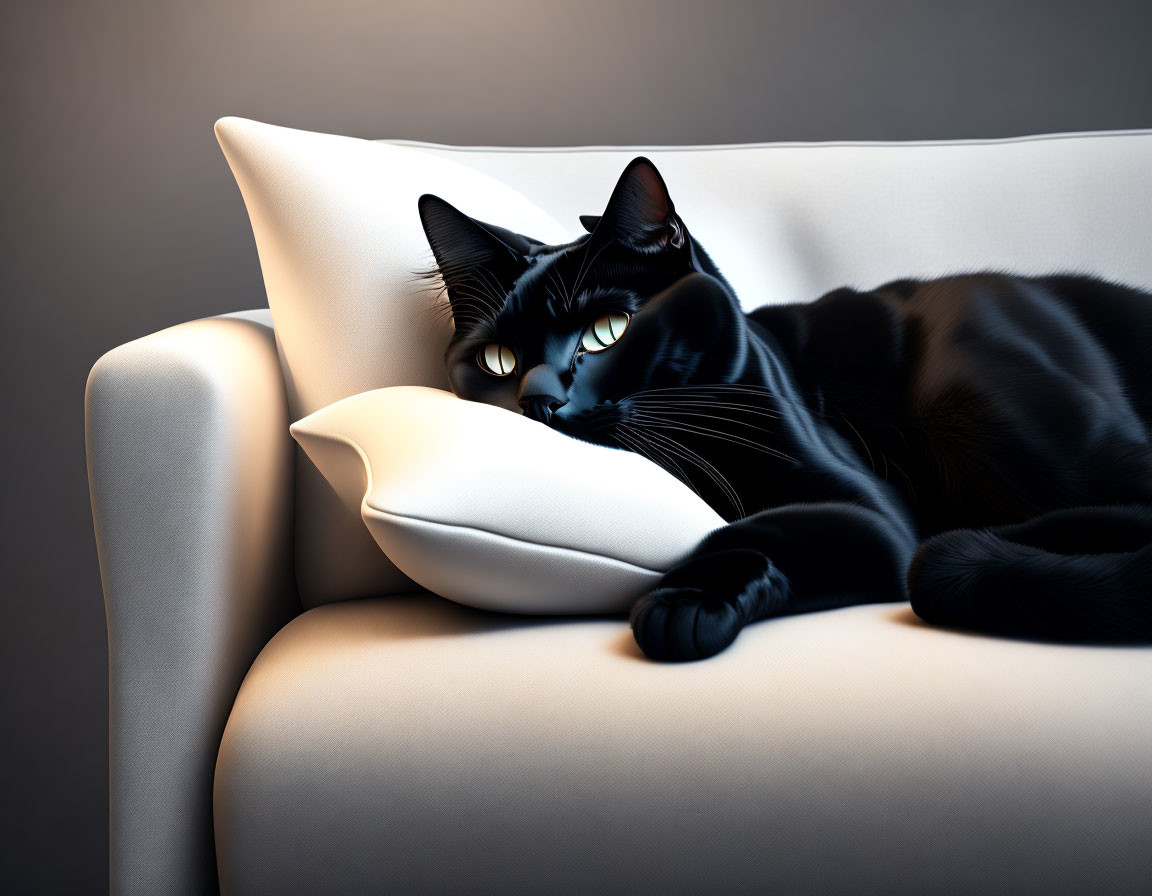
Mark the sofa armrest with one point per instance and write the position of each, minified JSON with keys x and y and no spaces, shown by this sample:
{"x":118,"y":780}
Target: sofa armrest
{"x":190,"y":470}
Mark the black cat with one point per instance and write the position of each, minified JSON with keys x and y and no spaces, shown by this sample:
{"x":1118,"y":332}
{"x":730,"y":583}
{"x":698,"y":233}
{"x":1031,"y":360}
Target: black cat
{"x":1003,"y":418}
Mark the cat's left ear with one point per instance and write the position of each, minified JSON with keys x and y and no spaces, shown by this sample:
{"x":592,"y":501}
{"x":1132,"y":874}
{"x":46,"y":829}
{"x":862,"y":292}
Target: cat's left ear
{"x":472,"y":257}
{"x":640,"y":213}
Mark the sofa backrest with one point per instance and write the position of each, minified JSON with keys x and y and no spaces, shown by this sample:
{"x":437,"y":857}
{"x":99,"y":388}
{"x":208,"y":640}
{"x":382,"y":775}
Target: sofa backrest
{"x":787,"y":222}
{"x":336,"y":227}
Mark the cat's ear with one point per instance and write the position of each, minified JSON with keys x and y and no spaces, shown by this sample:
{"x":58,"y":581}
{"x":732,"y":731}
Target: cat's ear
{"x":589,"y":222}
{"x":640,"y":213}
{"x":471,"y":257}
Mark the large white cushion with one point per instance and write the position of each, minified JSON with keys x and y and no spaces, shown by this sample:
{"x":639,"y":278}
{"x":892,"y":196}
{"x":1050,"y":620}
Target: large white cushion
{"x":494,"y":510}
{"x":787,"y":222}
{"x":339,"y":237}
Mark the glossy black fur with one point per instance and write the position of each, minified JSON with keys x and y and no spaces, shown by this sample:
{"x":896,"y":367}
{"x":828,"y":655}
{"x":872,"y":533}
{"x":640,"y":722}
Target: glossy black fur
{"x":976,"y":443}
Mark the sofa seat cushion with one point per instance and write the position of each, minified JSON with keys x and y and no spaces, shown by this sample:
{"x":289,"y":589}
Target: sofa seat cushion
{"x":412,"y":745}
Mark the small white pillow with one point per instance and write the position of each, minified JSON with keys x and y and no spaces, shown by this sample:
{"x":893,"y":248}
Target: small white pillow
{"x":494,"y":510}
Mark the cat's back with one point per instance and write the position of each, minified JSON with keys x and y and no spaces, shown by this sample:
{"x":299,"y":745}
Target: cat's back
{"x":1078,"y":331}
{"x":997,"y":396}
{"x":1036,"y":388}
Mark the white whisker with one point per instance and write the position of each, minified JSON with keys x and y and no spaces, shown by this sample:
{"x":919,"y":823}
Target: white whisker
{"x":708,"y":432}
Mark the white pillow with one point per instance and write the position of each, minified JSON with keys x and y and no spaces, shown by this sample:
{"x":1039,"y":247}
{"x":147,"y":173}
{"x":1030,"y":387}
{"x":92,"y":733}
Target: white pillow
{"x":339,"y":237}
{"x":491,"y":509}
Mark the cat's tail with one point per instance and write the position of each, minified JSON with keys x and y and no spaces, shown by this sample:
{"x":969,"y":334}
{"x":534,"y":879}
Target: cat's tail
{"x":1081,"y":574}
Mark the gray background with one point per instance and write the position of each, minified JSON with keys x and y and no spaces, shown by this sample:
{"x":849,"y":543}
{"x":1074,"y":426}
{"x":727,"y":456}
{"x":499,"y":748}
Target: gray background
{"x":119,"y":216}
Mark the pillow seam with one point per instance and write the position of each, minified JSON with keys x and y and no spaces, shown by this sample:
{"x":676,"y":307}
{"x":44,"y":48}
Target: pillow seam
{"x":369,"y":510}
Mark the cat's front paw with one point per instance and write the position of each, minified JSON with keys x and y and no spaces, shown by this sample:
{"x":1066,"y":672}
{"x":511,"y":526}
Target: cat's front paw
{"x":679,"y":624}
{"x":702,"y":604}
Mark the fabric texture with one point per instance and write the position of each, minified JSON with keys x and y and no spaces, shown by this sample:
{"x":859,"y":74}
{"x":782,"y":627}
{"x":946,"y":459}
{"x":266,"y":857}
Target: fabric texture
{"x":339,"y":237}
{"x":411,"y":745}
{"x":190,"y":466}
{"x":482,"y":506}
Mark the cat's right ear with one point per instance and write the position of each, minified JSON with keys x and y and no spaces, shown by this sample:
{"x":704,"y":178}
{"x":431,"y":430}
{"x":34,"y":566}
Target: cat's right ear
{"x":471,"y":259}
{"x":640,"y":212}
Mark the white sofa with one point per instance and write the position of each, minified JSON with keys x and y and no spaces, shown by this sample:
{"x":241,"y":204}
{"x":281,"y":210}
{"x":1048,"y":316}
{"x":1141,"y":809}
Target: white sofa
{"x":404,"y":744}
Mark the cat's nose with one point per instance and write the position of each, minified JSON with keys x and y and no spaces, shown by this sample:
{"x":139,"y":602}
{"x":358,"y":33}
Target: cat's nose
{"x":540,"y":408}
{"x":542,"y":393}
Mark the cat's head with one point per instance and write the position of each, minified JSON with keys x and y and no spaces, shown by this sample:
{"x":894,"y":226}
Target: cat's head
{"x":572,"y":335}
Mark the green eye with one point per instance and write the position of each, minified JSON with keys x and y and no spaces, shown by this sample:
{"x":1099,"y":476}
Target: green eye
{"x":497,"y":359}
{"x":604,"y":331}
